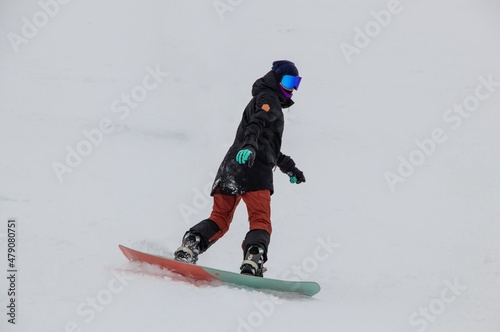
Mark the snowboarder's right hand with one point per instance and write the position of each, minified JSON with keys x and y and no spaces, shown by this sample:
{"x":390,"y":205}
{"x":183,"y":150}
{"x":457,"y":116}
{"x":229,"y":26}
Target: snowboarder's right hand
{"x":247,"y":154}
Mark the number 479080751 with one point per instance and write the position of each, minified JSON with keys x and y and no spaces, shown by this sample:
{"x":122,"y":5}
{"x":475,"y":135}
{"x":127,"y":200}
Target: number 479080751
{"x":11,"y":244}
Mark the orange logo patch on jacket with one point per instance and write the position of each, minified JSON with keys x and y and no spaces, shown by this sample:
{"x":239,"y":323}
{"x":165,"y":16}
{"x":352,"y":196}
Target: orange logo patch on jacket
{"x":266,"y":107}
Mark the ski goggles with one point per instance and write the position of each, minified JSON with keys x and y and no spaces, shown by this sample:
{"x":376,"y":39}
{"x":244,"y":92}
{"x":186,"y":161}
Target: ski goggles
{"x":290,"y":82}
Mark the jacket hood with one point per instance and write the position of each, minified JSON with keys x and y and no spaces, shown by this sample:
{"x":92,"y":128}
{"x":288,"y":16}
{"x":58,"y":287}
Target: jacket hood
{"x":270,"y":82}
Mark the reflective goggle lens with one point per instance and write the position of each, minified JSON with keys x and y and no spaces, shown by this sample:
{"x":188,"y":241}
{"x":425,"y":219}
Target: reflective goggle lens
{"x":291,"y":82}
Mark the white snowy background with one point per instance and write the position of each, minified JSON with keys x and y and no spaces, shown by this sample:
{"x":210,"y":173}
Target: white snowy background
{"x":422,"y":254}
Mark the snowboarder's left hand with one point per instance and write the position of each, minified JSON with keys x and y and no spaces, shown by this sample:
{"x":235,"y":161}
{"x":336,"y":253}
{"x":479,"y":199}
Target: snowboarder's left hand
{"x":287,"y":166}
{"x":247,"y":154}
{"x":296,"y":176}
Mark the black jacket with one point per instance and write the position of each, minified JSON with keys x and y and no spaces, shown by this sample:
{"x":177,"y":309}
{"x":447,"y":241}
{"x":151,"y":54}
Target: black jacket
{"x":261,"y":127}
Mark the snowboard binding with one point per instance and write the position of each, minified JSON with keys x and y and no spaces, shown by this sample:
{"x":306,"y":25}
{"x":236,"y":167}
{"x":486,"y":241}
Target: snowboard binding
{"x":253,"y":263}
{"x":189,"y":250}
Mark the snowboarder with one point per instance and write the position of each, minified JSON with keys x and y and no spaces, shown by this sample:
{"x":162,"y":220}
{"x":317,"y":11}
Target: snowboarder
{"x":247,"y":172}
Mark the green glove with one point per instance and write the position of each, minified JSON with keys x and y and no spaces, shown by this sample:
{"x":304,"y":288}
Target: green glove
{"x":246,"y":155}
{"x":296,"y":176}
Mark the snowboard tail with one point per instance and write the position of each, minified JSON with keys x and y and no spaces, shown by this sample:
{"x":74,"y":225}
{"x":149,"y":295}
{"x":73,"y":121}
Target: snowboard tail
{"x":214,"y":276}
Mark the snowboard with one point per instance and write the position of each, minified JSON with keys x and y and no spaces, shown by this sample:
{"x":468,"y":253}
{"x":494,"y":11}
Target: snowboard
{"x":215,"y":276}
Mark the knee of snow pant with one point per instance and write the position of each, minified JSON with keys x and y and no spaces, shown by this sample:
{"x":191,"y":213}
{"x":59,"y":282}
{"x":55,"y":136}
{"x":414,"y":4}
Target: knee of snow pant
{"x":259,"y":209}
{"x":222,"y":213}
{"x":256,"y":237}
{"x":206,"y":229}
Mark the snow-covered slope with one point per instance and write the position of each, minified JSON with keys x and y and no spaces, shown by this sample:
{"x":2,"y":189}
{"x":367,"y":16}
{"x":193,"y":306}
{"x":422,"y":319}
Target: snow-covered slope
{"x":116,"y":114}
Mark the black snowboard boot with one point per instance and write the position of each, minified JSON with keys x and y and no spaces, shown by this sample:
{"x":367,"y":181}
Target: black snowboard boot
{"x":189,"y":250}
{"x":254,"y":261}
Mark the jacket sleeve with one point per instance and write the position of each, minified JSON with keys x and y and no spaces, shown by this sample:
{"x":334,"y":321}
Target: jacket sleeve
{"x":266,"y":111}
{"x":285,"y":163}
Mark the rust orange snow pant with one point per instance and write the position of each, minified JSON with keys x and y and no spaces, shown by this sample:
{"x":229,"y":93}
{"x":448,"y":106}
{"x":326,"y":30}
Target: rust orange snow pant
{"x":258,"y":206}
